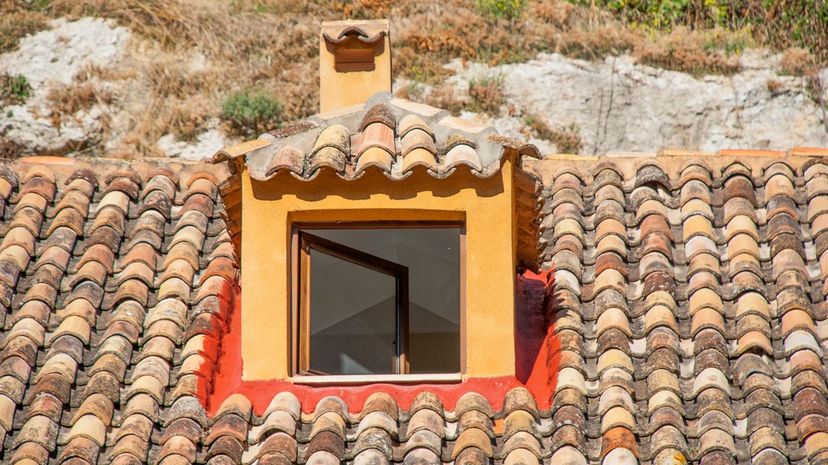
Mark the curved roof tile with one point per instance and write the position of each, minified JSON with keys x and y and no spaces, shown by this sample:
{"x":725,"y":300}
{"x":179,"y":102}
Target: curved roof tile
{"x":398,"y":127}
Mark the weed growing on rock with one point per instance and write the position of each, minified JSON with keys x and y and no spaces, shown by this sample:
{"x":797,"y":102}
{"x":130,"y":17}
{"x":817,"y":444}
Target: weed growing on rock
{"x":774,"y":86}
{"x":69,"y":100}
{"x":14,"y":89}
{"x":251,"y":112}
{"x":567,"y":139}
{"x":797,"y":62}
{"x":412,"y":90}
{"x":486,"y":94}
{"x":9,"y":149}
{"x":445,"y":96}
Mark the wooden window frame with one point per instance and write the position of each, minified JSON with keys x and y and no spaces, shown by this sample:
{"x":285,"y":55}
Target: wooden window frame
{"x":299,"y":276}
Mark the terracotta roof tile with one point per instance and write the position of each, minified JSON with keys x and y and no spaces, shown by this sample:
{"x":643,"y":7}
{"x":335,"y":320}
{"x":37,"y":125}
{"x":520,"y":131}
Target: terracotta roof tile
{"x":388,"y":134}
{"x":690,"y":315}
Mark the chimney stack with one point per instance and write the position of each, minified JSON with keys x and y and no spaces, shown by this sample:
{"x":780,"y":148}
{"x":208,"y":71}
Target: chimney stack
{"x":354,"y":62}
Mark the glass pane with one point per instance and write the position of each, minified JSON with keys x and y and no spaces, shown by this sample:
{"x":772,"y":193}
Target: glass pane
{"x":352,"y":317}
{"x":432,"y":256}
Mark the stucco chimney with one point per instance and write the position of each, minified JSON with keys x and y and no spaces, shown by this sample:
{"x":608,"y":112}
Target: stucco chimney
{"x":354,"y":62}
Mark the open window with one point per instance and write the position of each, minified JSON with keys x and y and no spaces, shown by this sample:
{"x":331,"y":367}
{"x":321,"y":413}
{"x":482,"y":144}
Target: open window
{"x":377,"y":300}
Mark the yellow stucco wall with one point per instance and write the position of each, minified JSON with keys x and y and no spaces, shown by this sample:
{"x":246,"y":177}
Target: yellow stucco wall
{"x":270,"y":208}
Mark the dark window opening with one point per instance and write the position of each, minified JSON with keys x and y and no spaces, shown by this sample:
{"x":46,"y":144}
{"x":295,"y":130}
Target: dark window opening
{"x":380,"y":300}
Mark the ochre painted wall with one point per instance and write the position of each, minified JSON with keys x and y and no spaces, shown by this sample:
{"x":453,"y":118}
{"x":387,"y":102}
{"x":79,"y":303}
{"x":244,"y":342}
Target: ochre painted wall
{"x":269,"y":209}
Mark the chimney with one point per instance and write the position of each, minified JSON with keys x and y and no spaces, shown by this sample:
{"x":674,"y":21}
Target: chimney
{"x":354,"y":62}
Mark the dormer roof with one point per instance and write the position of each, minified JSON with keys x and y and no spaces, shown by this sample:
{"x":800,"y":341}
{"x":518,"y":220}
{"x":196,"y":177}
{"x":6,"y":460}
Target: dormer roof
{"x":394,"y":136}
{"x":388,"y":135}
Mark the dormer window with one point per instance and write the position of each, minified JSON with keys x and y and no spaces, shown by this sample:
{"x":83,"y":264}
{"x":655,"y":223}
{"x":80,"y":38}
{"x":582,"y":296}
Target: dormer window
{"x":377,"y":299}
{"x":379,"y":239}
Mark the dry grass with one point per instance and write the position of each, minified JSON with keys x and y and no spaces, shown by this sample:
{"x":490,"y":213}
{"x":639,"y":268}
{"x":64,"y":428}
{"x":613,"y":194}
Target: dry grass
{"x":694,"y":52}
{"x":16,"y":21}
{"x":9,"y":150}
{"x":446,"y":96}
{"x":486,"y":95}
{"x":567,"y":138}
{"x":68,"y":100}
{"x":778,"y":25}
{"x":797,"y":62}
{"x":193,"y":54}
{"x":186,"y":118}
{"x":551,"y":26}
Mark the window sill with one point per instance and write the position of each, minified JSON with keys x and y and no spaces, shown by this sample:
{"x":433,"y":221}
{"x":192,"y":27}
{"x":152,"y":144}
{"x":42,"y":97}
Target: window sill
{"x":377,"y":379}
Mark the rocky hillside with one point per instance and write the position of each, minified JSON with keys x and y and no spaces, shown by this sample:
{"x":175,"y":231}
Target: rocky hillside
{"x":617,"y":105}
{"x":183,"y":78}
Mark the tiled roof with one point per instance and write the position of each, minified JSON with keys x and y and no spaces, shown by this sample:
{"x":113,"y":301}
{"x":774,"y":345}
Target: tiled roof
{"x":388,"y":134}
{"x":691,"y":324}
{"x":108,"y":289}
{"x":692,"y":307}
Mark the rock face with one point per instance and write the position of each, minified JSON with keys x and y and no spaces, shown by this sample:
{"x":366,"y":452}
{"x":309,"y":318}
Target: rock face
{"x":622,"y":106}
{"x":204,"y":146}
{"x":50,"y":59}
{"x":59,"y":53}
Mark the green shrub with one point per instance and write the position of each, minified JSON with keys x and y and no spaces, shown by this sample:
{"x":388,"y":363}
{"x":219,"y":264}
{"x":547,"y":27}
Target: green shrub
{"x":509,"y":9}
{"x":251,"y":112}
{"x":14,"y":89}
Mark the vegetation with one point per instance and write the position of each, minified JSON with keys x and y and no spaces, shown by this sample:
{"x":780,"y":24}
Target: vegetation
{"x":251,"y":112}
{"x":776,"y":24}
{"x":9,"y":150}
{"x":567,"y":139}
{"x":14,"y":89}
{"x":510,"y":9}
{"x":486,"y":94}
{"x":68,"y":100}
{"x":446,"y":96}
{"x":15,"y":25}
{"x":797,"y":62}
{"x":272,"y":45}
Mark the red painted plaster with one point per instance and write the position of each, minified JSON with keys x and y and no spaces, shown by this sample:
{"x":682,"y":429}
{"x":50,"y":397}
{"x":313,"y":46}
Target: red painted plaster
{"x":536,"y":363}
{"x":537,"y":350}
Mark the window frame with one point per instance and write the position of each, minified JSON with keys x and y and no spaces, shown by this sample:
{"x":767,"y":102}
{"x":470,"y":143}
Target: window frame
{"x":297,"y":285}
{"x":308,"y":241}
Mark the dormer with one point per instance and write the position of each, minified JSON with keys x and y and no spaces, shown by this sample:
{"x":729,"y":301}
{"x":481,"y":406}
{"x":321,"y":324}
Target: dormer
{"x":378,"y":242}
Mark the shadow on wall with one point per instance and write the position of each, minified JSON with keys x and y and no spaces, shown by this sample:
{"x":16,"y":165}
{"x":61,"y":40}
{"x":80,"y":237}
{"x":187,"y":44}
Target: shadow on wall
{"x":537,"y":350}
{"x":375,"y":182}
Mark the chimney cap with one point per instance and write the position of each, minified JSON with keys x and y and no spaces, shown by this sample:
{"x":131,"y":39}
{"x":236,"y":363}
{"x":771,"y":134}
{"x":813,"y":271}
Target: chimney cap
{"x":368,"y":31}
